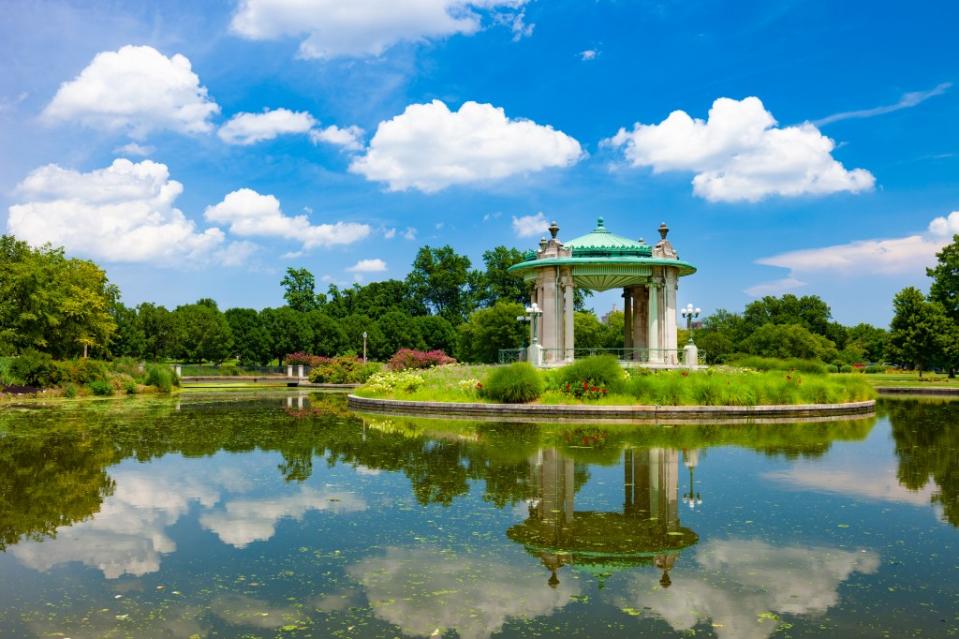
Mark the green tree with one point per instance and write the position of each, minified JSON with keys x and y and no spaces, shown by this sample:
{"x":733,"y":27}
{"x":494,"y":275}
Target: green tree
{"x":919,"y":331}
{"x":378,"y":298}
{"x":614,"y":329}
{"x":808,"y":311}
{"x":437,"y":333}
{"x":439,"y":277}
{"x":789,"y":340}
{"x":299,"y":289}
{"x":589,"y":332}
{"x":399,"y":330}
{"x":354,"y":326}
{"x":156,"y":324}
{"x":496,"y":283}
{"x":251,"y":341}
{"x":945,"y":279}
{"x":202,"y":332}
{"x":53,"y":303}
{"x":288,"y":329}
{"x":490,"y":329}
{"x":871,"y":339}
{"x":128,"y":340}
{"x":329,"y":339}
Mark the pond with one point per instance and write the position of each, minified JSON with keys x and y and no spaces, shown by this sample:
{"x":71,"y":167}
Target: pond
{"x":288,"y":516}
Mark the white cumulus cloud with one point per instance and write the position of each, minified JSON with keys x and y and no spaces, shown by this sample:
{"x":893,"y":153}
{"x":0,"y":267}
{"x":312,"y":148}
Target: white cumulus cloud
{"x":350,"y":138}
{"x":530,"y":225}
{"x":249,"y":128}
{"x":902,"y":255}
{"x":740,"y":154}
{"x":252,"y":214}
{"x":360,"y":28}
{"x":774,"y":287}
{"x":374,"y":265}
{"x":122,"y":213}
{"x":428,"y":147}
{"x":135,"y":89}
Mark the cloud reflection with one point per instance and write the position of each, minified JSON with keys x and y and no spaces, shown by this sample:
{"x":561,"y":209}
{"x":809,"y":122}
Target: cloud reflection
{"x":424,"y":589}
{"x":737,"y":583}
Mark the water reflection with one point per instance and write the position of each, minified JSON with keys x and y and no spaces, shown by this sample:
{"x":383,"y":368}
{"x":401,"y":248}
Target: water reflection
{"x":281,"y":519}
{"x":646,"y":531}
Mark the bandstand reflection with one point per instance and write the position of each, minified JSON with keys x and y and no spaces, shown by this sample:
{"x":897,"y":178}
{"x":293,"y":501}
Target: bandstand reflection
{"x":647,"y":532}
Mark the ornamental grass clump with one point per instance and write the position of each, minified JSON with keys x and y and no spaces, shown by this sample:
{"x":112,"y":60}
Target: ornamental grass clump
{"x":407,"y":358}
{"x":600,"y":371}
{"x":517,"y":383}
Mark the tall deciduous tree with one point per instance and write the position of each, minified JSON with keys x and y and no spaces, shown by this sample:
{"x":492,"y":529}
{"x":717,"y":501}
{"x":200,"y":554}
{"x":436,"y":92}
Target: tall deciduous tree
{"x":288,"y":330}
{"x":202,"y":332}
{"x":490,"y":329}
{"x":299,"y":289}
{"x":439,"y":277}
{"x":251,"y":341}
{"x":156,"y":323}
{"x":919,"y":331}
{"x":945,"y":279}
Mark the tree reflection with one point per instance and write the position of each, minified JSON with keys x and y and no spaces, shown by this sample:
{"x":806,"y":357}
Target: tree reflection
{"x":926,"y":434}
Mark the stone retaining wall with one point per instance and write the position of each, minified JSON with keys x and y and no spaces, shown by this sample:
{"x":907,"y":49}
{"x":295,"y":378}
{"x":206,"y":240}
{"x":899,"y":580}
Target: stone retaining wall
{"x":544,"y":412}
{"x":918,"y":390}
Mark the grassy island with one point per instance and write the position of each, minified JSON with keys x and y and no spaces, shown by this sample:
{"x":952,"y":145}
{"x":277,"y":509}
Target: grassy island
{"x":601,"y":381}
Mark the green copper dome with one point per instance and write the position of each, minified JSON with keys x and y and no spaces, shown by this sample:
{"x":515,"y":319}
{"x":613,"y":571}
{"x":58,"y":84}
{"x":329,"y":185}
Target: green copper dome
{"x":601,"y":242}
{"x":600,"y":260}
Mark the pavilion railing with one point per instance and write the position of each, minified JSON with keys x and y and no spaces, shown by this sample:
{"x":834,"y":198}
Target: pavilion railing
{"x":639,"y":356}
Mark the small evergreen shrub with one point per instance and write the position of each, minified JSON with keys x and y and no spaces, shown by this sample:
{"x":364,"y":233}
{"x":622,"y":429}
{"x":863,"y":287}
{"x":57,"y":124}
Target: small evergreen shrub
{"x":130,"y":387}
{"x":597,"y":370}
{"x":517,"y":383}
{"x":100,"y":387}
{"x":407,"y":358}
{"x":33,"y":368}
{"x":874,"y":369}
{"x":70,"y":391}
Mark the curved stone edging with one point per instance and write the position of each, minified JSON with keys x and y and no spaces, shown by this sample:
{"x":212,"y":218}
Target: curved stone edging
{"x":553,"y":412}
{"x":940,"y":391}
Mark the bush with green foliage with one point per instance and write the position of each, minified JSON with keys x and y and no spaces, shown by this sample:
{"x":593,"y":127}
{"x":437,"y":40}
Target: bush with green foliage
{"x":517,"y":383}
{"x":101,"y":388}
{"x":6,"y":378}
{"x":780,"y":364}
{"x":161,"y":377}
{"x":598,"y":370}
{"x":33,"y":368}
{"x":343,"y":370}
{"x":388,"y":381}
{"x":874,"y":369}
{"x":407,"y":358}
{"x":80,"y":371}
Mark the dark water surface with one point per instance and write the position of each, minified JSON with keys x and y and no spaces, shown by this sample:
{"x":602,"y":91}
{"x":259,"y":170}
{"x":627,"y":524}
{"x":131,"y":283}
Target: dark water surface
{"x":236,"y":517}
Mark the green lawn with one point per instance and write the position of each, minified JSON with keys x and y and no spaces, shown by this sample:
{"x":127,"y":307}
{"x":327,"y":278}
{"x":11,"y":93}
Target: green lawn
{"x":906,"y":378}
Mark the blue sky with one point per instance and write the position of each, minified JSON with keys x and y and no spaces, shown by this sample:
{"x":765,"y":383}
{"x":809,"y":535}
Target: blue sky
{"x":828,"y":165}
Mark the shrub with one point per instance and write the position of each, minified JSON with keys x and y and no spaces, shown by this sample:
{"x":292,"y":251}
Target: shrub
{"x":128,"y":366}
{"x":69,"y":391}
{"x":80,"y":371}
{"x":33,"y":368}
{"x":161,"y":377}
{"x":100,"y":387}
{"x":388,"y":381}
{"x":874,"y":369}
{"x":407,"y":358}
{"x":517,"y":383}
{"x":343,"y":370}
{"x":5,"y":377}
{"x":229,"y":368}
{"x":130,"y":387}
{"x":780,"y":364}
{"x":598,"y":370}
{"x":306,"y":359}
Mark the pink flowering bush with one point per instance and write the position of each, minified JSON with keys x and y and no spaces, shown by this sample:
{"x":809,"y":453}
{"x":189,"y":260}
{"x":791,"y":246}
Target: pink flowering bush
{"x":294,"y":359}
{"x":407,"y":358}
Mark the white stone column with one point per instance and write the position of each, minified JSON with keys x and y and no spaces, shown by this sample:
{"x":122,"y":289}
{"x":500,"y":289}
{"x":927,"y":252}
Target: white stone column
{"x":652,"y":332}
{"x":640,"y":327}
{"x":628,"y":322}
{"x":669,"y":310}
{"x":299,"y":371}
{"x":549,"y":337}
{"x":289,"y":370}
{"x":569,"y":314}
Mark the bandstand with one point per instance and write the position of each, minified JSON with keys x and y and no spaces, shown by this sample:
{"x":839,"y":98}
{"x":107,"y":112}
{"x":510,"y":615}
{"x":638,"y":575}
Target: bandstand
{"x":600,"y":261}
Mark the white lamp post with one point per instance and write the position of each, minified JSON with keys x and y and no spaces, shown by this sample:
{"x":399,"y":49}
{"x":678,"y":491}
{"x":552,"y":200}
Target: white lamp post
{"x":364,"y":347}
{"x":690,"y":314}
{"x":535,"y":352}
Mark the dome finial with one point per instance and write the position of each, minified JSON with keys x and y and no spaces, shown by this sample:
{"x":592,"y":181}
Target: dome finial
{"x":554,"y":229}
{"x":663,"y":230}
{"x":600,"y":223}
